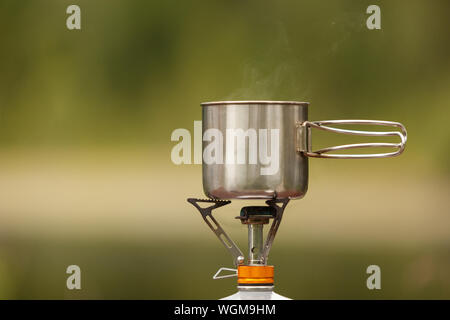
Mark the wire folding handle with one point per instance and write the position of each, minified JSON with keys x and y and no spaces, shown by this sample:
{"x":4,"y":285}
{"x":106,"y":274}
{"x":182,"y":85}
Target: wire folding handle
{"x":304,"y":144}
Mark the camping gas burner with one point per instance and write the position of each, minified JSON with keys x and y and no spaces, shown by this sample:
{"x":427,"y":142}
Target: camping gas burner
{"x":255,"y":217}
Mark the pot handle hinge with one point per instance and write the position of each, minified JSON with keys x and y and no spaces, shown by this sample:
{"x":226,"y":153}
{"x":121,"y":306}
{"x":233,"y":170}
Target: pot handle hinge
{"x":304,"y":140}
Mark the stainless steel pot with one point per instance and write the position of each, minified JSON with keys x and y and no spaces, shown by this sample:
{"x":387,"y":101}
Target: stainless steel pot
{"x":260,"y":149}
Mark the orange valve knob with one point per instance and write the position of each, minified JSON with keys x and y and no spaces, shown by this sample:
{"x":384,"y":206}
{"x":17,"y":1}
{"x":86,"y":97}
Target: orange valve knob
{"x":255,"y":275}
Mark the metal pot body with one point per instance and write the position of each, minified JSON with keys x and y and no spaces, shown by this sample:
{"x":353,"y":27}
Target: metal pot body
{"x":259,"y":157}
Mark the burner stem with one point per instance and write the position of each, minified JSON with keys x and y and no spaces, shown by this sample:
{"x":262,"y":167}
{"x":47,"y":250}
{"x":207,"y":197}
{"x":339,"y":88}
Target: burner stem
{"x":255,"y":243}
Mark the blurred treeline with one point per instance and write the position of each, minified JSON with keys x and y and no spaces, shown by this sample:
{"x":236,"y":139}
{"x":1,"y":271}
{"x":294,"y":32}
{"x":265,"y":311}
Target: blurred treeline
{"x":139,"y":69}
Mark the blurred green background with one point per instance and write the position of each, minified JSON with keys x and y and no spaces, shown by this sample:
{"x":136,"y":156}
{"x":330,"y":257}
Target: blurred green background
{"x":86,"y":118}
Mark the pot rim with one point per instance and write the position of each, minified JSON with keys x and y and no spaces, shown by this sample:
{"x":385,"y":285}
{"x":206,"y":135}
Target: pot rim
{"x":205,"y":104}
